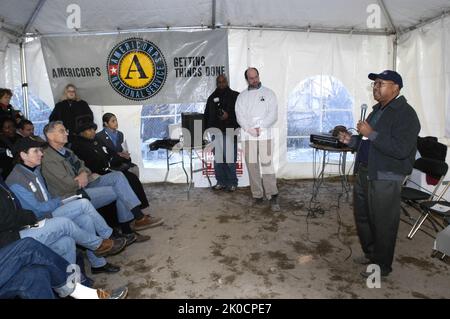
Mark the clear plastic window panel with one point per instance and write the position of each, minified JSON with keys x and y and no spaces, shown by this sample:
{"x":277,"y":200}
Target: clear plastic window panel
{"x":39,"y":111}
{"x":155,"y":121}
{"x":317,"y":104}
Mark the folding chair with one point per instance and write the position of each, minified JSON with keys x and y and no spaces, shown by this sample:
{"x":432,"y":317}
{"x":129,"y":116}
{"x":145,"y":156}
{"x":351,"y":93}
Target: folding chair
{"x":435,"y":169}
{"x":439,"y":208}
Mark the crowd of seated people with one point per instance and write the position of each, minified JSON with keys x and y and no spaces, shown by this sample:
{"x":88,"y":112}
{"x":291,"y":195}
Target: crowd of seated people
{"x":51,"y":190}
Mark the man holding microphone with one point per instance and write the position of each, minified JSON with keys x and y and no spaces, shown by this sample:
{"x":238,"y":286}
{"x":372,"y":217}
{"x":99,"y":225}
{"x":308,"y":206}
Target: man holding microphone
{"x":386,"y":148}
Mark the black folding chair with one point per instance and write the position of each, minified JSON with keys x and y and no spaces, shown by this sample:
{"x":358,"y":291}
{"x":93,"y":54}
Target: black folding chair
{"x":436,"y":211}
{"x":413,"y":197}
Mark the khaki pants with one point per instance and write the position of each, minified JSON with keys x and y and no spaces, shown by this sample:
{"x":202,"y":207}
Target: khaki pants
{"x":261,"y":172}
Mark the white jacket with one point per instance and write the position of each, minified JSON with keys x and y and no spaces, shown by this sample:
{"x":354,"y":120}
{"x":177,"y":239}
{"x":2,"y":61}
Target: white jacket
{"x":257,"y":108}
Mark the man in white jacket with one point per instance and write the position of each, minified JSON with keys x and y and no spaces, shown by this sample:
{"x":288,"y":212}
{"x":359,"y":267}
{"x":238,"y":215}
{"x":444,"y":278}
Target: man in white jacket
{"x":256,"y":113}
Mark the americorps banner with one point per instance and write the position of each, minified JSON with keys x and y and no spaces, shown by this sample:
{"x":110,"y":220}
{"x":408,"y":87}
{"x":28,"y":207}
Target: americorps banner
{"x":138,"y":68}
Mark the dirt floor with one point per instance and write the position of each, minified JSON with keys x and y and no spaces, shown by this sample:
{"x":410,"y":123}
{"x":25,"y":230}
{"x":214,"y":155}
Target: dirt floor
{"x":216,"y":245}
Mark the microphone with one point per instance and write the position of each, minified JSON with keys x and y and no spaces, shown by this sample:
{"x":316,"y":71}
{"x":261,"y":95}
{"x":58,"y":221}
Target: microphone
{"x":363,"y":112}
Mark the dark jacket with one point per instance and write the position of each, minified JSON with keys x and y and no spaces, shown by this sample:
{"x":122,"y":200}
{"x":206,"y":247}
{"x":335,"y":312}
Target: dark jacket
{"x":395,"y":145}
{"x":12,"y":218}
{"x":10,"y":112}
{"x":72,"y":114}
{"x":103,"y":137}
{"x":227,"y":101}
{"x":6,"y":159}
{"x":96,"y":156}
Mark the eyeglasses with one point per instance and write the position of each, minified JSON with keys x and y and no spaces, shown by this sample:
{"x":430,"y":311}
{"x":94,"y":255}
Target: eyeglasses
{"x":379,"y":84}
{"x":71,"y":91}
{"x":63,"y":131}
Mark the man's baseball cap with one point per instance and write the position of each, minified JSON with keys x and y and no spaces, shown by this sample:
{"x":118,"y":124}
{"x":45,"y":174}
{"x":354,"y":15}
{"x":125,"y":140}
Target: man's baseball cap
{"x":388,"y":75}
{"x":25,"y":143}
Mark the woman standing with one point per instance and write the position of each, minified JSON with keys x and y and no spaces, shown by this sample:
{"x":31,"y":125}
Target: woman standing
{"x":72,"y":111}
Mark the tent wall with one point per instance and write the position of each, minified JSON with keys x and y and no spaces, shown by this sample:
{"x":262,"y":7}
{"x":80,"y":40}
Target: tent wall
{"x":9,"y":62}
{"x":424,"y":63}
{"x":38,"y":82}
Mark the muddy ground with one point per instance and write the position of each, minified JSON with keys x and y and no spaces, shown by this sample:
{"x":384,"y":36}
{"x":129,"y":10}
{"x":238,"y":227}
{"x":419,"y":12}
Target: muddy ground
{"x":216,"y":245}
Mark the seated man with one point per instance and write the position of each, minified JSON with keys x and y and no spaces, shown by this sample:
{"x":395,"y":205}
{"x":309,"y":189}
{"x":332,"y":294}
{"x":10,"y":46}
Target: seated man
{"x":30,"y":270}
{"x":58,"y":233}
{"x":25,"y":128}
{"x":27,"y":183}
{"x":66,"y":175}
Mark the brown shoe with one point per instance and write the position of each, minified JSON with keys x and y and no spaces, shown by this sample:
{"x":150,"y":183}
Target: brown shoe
{"x":110,"y":247}
{"x":141,"y":238}
{"x":119,"y":244}
{"x":147,"y":222}
{"x":135,"y":237}
{"x":120,"y":293}
{"x":104,"y":248}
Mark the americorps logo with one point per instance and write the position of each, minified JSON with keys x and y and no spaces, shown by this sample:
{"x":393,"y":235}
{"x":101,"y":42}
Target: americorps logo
{"x":137,"y":69}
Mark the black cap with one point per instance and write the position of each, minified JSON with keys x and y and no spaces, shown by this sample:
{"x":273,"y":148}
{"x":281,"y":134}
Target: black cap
{"x":388,"y":75}
{"x":85,"y":126}
{"x":25,"y":143}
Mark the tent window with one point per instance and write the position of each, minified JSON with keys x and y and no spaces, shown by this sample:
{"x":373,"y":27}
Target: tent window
{"x":317,"y":104}
{"x":155,"y":120}
{"x":39,"y":111}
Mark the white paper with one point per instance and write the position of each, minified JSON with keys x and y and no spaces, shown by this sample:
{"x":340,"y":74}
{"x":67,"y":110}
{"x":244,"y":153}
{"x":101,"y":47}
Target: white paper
{"x":71,"y":198}
{"x":125,"y":146}
{"x":440,"y":208}
{"x":41,"y":223}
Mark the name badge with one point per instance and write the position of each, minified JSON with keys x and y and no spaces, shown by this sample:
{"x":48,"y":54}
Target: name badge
{"x":33,"y":188}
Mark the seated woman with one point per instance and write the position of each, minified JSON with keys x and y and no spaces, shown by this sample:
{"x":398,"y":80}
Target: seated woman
{"x":8,"y":137}
{"x":6,"y":109}
{"x":113,"y":140}
{"x":99,"y":159}
{"x":31,"y":270}
{"x":27,"y":183}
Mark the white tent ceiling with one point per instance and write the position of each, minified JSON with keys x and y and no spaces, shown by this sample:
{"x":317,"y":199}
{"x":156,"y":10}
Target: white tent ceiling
{"x":49,"y":16}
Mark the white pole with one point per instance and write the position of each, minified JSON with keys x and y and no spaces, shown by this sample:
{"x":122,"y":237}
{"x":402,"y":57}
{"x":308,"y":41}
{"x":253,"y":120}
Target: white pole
{"x":23,"y":73}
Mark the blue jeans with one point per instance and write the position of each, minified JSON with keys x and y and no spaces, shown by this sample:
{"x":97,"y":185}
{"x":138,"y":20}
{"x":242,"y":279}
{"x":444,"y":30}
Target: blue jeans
{"x":113,"y":187}
{"x":31,"y":270}
{"x":225,"y":157}
{"x":61,"y":234}
{"x":82,"y":213}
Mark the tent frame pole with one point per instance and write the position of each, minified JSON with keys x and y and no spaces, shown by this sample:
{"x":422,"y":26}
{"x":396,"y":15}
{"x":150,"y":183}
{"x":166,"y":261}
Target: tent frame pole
{"x":191,"y":28}
{"x":34,"y":15}
{"x":394,"y":29}
{"x":23,"y":74}
{"x":213,"y":15}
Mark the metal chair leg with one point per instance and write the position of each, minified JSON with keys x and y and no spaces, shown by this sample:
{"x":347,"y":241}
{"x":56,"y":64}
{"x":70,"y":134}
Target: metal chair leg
{"x":419,"y":223}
